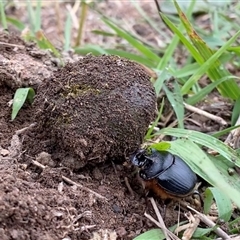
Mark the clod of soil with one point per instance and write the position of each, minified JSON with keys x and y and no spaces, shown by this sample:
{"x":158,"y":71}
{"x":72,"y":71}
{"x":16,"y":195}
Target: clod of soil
{"x":96,"y":108}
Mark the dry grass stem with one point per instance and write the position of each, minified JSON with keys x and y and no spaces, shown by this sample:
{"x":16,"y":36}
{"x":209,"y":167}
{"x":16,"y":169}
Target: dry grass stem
{"x":205,"y":114}
{"x":168,"y":234}
{"x":210,"y":223}
{"x":233,"y":138}
{"x":194,"y":222}
{"x":128,"y":186}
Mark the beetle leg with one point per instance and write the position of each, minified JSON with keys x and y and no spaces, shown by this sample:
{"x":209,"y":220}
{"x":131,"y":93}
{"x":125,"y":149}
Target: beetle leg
{"x":198,"y":200}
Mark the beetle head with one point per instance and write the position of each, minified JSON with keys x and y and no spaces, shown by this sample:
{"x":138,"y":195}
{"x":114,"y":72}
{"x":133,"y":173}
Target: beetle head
{"x":139,"y":159}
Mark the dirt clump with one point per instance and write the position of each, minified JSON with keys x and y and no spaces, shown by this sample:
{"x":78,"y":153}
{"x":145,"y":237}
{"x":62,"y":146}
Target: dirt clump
{"x":95,"y":109}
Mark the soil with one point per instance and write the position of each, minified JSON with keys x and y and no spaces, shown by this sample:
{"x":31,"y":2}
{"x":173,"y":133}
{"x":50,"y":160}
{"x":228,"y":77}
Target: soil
{"x":41,"y":201}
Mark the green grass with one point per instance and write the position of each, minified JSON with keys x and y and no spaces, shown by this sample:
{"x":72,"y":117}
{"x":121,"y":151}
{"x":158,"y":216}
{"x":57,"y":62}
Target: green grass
{"x":208,"y":54}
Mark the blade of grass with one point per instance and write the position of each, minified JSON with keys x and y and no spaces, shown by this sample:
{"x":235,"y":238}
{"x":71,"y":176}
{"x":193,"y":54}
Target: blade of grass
{"x":173,"y":45}
{"x":67,"y":33}
{"x":3,"y":16}
{"x":178,"y":32}
{"x":154,"y":124}
{"x":223,"y":203}
{"x":31,"y":15}
{"x":44,"y":43}
{"x":131,"y":40}
{"x":20,"y":97}
{"x":37,"y":26}
{"x":235,"y":112}
{"x":97,"y":50}
{"x":158,"y":84}
{"x":18,"y":24}
{"x":82,"y":19}
{"x":233,"y":90}
{"x":205,"y":91}
{"x":176,"y":100}
{"x":224,"y":131}
{"x":103,"y":33}
{"x":205,"y":140}
{"x":214,"y":70}
{"x":93,"y":49}
{"x":185,"y":71}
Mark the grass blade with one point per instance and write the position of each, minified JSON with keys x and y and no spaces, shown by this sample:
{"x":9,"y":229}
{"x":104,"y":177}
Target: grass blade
{"x":3,"y":16}
{"x":131,"y":40}
{"x":212,"y":66}
{"x":176,"y":100}
{"x":205,"y":91}
{"x":67,"y":33}
{"x":223,"y":203}
{"x":37,"y":26}
{"x":154,"y":124}
{"x":205,"y":140}
{"x":20,"y":97}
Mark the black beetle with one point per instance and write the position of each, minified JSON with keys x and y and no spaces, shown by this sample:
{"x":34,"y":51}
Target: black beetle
{"x":167,"y":175}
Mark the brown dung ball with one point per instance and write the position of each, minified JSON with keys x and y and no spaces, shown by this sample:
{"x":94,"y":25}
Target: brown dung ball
{"x":95,"y":109}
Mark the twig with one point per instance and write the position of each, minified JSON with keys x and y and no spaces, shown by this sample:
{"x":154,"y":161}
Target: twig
{"x":20,"y":131}
{"x":166,"y":232}
{"x":12,"y":45}
{"x":211,"y":224}
{"x":72,"y":182}
{"x":194,"y":222}
{"x":159,"y":225}
{"x":160,"y":220}
{"x":128,"y":186}
{"x":205,"y":114}
{"x":233,"y":138}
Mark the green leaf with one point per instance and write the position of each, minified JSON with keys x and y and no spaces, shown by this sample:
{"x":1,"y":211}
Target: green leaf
{"x":201,"y":232}
{"x":67,"y":33}
{"x":212,"y":66}
{"x":176,"y":100}
{"x":31,"y":15}
{"x":97,"y":50}
{"x":185,"y":71}
{"x":235,"y":112}
{"x":205,"y":140}
{"x":158,"y":84}
{"x":131,"y":40}
{"x":224,"y":131}
{"x":162,"y":146}
{"x":223,"y":202}
{"x":154,"y":234}
{"x":173,"y":45}
{"x":44,"y":43}
{"x":154,"y":124}
{"x":37,"y":24}
{"x":205,"y":91}
{"x":3,"y":15}
{"x":103,"y":33}
{"x":20,"y":96}
{"x":18,"y":24}
{"x":230,"y":89}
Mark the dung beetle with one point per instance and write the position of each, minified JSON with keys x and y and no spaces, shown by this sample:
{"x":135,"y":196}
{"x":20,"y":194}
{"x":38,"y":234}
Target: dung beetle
{"x":165,"y":174}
